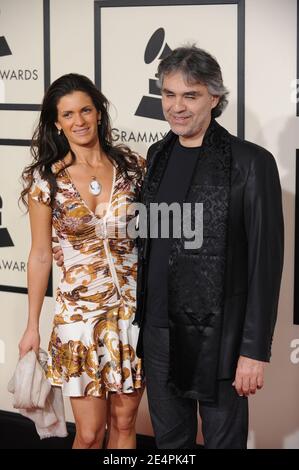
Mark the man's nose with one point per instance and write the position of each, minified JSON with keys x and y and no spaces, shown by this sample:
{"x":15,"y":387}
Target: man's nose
{"x":179,"y":105}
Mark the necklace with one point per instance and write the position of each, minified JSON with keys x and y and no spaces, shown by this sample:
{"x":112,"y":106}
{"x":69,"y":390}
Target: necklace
{"x":94,"y":186}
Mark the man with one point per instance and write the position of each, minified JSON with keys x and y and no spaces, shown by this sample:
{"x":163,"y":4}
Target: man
{"x":207,"y":315}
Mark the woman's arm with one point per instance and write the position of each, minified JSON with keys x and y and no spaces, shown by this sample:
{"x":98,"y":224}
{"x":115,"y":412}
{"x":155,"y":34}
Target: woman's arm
{"x":38,"y":270}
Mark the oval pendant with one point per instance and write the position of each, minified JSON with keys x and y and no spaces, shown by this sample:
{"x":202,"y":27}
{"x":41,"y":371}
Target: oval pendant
{"x":95,"y":187}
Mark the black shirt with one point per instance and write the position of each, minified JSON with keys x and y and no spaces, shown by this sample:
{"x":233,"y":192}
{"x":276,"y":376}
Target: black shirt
{"x":173,"y":188}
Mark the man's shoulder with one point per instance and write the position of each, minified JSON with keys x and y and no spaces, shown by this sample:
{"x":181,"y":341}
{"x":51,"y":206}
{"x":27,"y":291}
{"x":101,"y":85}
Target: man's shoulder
{"x":160,"y":144}
{"x":245,"y":149}
{"x":154,"y":147}
{"x":248,"y":154}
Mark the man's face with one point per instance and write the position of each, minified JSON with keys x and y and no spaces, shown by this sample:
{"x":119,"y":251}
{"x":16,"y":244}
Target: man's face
{"x":187,"y":108}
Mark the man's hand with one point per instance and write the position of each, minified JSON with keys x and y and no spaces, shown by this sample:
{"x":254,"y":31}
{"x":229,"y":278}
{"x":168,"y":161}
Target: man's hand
{"x":249,"y":376}
{"x":57,"y":253}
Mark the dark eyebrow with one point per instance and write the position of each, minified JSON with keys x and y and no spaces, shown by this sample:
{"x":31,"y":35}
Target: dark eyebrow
{"x":71,"y":111}
{"x":192,"y":93}
{"x":189,"y":93}
{"x":165,"y":90}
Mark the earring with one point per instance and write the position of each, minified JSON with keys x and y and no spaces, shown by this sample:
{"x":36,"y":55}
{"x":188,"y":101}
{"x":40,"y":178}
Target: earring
{"x":59,"y":131}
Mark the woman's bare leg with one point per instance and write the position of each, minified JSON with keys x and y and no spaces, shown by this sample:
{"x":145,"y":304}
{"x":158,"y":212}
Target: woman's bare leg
{"x":90,"y":415}
{"x":122,"y":410}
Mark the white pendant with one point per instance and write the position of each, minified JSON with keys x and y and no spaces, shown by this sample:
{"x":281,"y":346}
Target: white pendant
{"x":95,"y":187}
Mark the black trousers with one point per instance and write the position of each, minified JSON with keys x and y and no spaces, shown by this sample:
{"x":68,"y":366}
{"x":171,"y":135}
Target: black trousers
{"x":174,"y":419}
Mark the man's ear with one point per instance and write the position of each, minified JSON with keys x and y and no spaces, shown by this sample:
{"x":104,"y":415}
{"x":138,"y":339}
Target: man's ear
{"x":215,"y":101}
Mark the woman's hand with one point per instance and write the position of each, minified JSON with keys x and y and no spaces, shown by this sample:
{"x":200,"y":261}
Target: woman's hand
{"x":30,"y":340}
{"x":57,"y":253}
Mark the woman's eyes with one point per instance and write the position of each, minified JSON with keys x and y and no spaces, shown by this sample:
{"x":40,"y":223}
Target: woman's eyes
{"x":70,"y":114}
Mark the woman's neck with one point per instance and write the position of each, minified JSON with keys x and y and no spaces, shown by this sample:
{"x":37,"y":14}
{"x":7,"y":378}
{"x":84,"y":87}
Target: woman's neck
{"x":91,"y":156}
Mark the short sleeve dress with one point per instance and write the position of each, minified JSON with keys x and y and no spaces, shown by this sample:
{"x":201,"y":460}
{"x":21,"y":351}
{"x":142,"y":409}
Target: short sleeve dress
{"x":93,"y":341}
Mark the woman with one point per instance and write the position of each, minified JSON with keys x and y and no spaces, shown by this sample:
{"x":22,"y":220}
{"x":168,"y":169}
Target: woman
{"x":81,"y":184}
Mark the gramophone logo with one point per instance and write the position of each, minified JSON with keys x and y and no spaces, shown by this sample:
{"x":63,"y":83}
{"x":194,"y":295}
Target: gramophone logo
{"x":4,"y":47}
{"x":150,"y":106}
{"x":4,"y":51}
{"x":5,"y":238}
{"x":10,"y":73}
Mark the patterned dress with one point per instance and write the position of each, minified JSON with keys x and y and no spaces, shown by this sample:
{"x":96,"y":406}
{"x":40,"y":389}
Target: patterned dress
{"x":92,"y":346}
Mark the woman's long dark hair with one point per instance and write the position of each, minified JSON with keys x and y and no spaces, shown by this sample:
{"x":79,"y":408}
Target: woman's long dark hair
{"x":48,"y":147}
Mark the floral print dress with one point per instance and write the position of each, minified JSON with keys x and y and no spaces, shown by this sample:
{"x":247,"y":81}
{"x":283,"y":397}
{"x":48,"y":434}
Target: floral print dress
{"x":93,"y":342}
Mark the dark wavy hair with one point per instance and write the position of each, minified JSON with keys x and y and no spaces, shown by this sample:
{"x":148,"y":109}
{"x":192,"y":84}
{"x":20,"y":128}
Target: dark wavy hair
{"x":48,"y":147}
{"x":197,"y":66}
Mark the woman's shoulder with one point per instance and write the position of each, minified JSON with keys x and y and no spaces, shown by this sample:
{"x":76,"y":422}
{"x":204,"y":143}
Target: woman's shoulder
{"x":141,"y":161}
{"x":40,"y":190}
{"x":140,"y":166}
{"x":61,"y":164}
